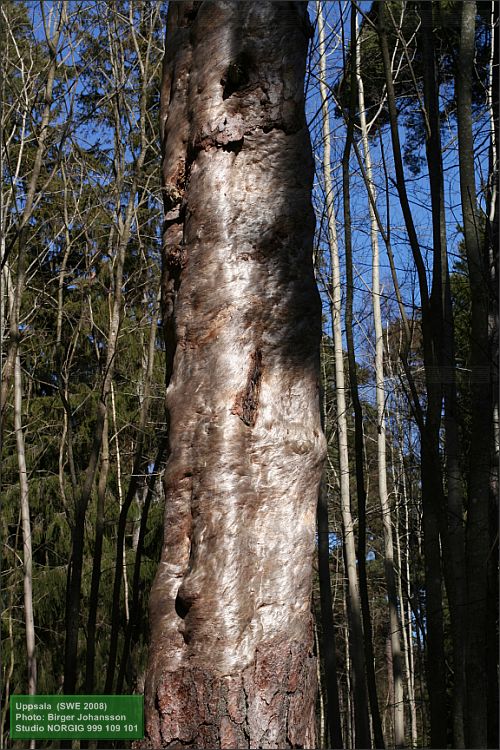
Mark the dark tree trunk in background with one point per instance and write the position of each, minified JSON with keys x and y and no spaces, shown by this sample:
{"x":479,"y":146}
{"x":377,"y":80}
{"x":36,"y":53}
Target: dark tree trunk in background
{"x":452,"y":538}
{"x":328,"y":640}
{"x":477,"y":533}
{"x":231,"y":661}
{"x":492,"y":241}
{"x":431,"y":473}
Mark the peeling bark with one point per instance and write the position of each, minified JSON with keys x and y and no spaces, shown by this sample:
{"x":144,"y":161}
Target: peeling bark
{"x":231,"y":659}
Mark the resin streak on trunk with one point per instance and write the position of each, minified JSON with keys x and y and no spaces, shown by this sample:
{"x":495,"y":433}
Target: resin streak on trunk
{"x":231,"y":656}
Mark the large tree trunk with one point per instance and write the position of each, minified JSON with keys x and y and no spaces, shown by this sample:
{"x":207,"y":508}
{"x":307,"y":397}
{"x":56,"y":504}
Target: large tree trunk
{"x":231,"y":659}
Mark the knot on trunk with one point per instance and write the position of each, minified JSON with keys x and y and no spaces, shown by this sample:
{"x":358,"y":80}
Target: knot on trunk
{"x":247,"y":400}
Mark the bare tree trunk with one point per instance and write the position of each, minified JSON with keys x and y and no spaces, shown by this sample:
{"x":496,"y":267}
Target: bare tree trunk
{"x":136,"y":580}
{"x":138,"y":467}
{"x":96,"y":562}
{"x":349,"y":730}
{"x":478,"y":482}
{"x":453,"y":536}
{"x":492,"y":241}
{"x":407,"y":647}
{"x":120,"y":500}
{"x":124,"y":221}
{"x":7,"y":672}
{"x":358,"y":410}
{"x":328,"y":627}
{"x":231,"y":659}
{"x":356,"y":642}
{"x":26,"y":526}
{"x":394,"y":625}
{"x":431,"y":474}
{"x":403,"y":560}
{"x":322,"y":732}
{"x":19,"y":233}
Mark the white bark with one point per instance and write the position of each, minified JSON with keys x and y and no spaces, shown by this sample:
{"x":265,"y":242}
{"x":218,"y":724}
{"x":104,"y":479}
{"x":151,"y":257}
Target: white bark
{"x":26,"y":527}
{"x":120,"y":497}
{"x":354,"y":603}
{"x":394,"y":625}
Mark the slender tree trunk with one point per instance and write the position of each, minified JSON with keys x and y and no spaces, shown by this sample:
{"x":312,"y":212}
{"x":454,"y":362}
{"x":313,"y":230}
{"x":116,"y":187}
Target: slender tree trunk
{"x":356,"y":643}
{"x":75,"y":570}
{"x":120,"y":502}
{"x":328,"y":627}
{"x":139,"y":468}
{"x":322,"y":732}
{"x":389,"y":709}
{"x":26,"y":526}
{"x":358,"y":411}
{"x":231,"y":659}
{"x":394,"y":625}
{"x":96,"y":563}
{"x":136,"y":580}
{"x":403,"y":559}
{"x":453,"y":536}
{"x":478,"y":481}
{"x":7,"y":671}
{"x":432,"y":487}
{"x":28,"y":207}
{"x":125,"y":226}
{"x":349,"y":730}
{"x":492,"y":241}
{"x":407,"y":649}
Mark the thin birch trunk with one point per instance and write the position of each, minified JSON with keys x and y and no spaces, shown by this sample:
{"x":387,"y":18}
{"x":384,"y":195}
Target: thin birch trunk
{"x":26,"y":526}
{"x":349,"y":730}
{"x":353,"y":603}
{"x":97,"y":559}
{"x":394,"y":625}
{"x":407,"y":573}
{"x":120,"y":497}
{"x":406,"y":645}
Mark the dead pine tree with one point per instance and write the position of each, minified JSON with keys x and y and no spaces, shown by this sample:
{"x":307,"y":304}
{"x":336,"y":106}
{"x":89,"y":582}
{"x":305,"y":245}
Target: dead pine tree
{"x":231,"y":661}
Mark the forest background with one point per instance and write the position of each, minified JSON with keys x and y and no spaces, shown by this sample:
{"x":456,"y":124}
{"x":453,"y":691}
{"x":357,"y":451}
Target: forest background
{"x":406,"y":258}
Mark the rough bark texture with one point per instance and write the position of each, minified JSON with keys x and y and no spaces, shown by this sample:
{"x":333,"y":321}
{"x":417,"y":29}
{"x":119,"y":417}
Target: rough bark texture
{"x":231,"y":658}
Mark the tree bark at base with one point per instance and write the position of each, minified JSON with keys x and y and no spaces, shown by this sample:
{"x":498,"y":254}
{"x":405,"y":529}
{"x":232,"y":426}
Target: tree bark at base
{"x":271,"y":704}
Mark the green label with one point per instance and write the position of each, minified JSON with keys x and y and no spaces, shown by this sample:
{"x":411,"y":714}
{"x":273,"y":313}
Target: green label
{"x":78,"y":717}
